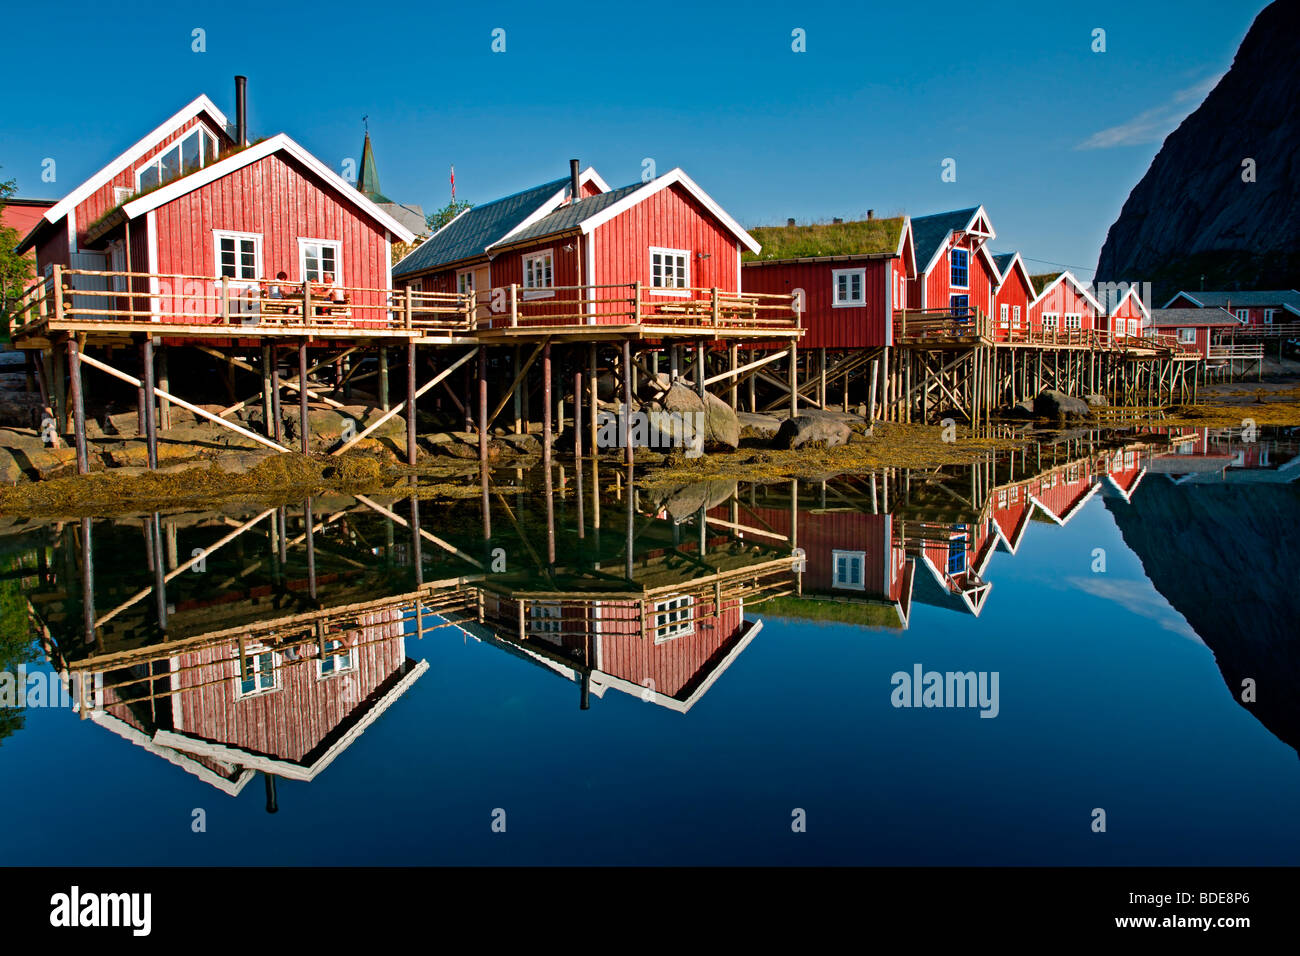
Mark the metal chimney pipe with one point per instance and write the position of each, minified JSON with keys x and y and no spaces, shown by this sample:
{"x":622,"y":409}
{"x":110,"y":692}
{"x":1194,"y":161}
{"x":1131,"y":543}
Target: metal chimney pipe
{"x":241,"y":110}
{"x":573,"y":180}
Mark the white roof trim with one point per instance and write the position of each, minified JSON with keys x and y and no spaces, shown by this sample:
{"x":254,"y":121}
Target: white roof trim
{"x":1017,"y":259}
{"x":1130,"y":291}
{"x":989,"y":237}
{"x":1067,"y":274}
{"x":278,"y":143}
{"x":588,"y":175}
{"x":904,"y":235}
{"x":1128,"y":495}
{"x":674,"y":176}
{"x":198,"y":105}
{"x":229,"y":786}
{"x":1186,"y":295}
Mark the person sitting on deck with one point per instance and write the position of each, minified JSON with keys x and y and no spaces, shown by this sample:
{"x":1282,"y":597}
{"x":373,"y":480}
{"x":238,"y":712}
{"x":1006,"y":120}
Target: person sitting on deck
{"x":276,"y":291}
{"x":332,"y":294}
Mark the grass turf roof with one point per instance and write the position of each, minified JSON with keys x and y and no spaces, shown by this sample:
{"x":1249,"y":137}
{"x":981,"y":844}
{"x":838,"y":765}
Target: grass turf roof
{"x":858,"y":237}
{"x":1043,"y":280}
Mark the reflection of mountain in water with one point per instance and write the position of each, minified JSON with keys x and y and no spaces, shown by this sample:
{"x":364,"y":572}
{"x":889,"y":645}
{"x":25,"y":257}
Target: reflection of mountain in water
{"x":1225,"y":556}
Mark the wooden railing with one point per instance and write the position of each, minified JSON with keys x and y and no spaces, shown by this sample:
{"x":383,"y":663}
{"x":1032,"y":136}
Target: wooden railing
{"x":1232,"y":351}
{"x":942,"y":323}
{"x":82,"y":299}
{"x":1271,"y":330}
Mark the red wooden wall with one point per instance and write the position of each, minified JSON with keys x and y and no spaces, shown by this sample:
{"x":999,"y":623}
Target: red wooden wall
{"x":825,"y":325}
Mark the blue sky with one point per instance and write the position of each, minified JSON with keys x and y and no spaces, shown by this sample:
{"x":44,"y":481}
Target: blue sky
{"x":862,"y":120}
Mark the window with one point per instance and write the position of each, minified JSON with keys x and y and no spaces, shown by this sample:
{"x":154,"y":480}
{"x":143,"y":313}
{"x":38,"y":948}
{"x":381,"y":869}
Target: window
{"x":1015,"y":315}
{"x":1073,"y":321}
{"x":539,"y":275}
{"x":1243,"y":315}
{"x":848,"y":569}
{"x":1268,"y":316}
{"x":335,"y":661}
{"x":259,"y":675}
{"x":674,"y":617}
{"x":1050,"y":320}
{"x":239,"y":254}
{"x":957,"y":550}
{"x":544,"y":620}
{"x":670,"y":269}
{"x":960,"y":276}
{"x":849,"y":287}
{"x":194,"y":151}
{"x":959,"y":304}
{"x":318,"y":257}
{"x":465,"y":282}
{"x":1132,"y":326}
{"x":1004,"y":311}
{"x":1187,"y":336}
{"x":120,"y":195}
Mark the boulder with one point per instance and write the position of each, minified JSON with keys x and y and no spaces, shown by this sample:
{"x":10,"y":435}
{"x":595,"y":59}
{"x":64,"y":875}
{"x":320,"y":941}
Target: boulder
{"x":1050,"y":403}
{"x":1096,"y":401}
{"x":756,"y":425}
{"x":10,"y":471}
{"x":721,"y":426}
{"x":521,"y":444}
{"x":687,"y":500}
{"x":1023,"y":409}
{"x":814,"y":431}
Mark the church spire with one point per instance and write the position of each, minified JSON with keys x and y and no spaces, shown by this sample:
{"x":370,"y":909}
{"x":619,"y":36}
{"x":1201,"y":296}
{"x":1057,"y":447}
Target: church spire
{"x":367,"y":174}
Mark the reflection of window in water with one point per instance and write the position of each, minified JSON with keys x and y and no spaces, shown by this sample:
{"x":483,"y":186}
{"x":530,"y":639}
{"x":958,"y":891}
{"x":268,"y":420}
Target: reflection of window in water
{"x":674,"y":617}
{"x":848,"y":568}
{"x":957,"y":550}
{"x":260,"y":674}
{"x":337,"y":659}
{"x":544,"y":620}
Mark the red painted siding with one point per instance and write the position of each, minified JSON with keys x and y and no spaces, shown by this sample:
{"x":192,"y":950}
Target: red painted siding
{"x":938,"y":285}
{"x":1064,"y":298}
{"x":1014,"y":293}
{"x":826,"y":326}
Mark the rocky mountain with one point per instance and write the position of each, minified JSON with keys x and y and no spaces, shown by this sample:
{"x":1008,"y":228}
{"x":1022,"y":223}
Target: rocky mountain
{"x":1192,"y":214}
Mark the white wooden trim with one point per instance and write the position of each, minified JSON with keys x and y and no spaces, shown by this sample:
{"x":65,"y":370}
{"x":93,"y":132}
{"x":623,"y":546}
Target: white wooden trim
{"x":862,"y":569}
{"x":199,"y":130}
{"x":675,"y":176}
{"x":1069,"y":276}
{"x":536,"y":292}
{"x":278,"y":143}
{"x":967,"y":253}
{"x":126,"y":159}
{"x":151,"y":224}
{"x":238,"y":237}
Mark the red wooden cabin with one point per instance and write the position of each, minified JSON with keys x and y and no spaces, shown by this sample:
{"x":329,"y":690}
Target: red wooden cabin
{"x":190,"y":207}
{"x":1248,"y":307}
{"x":1064,"y":307}
{"x":1123,"y":313}
{"x":956,"y":270}
{"x":1197,"y":329}
{"x":848,"y":296}
{"x":580,"y":262}
{"x":1011,"y":297}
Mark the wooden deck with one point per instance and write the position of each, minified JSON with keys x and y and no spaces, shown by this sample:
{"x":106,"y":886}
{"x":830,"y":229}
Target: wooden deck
{"x":109,"y":307}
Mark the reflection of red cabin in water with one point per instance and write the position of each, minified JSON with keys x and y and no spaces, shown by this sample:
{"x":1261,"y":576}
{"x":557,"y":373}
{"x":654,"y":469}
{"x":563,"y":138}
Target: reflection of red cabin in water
{"x":956,"y":557}
{"x":288,"y":715}
{"x":1013,"y":510}
{"x":1062,"y":491}
{"x":672,"y":658}
{"x":851,"y":556}
{"x":1124,"y":469}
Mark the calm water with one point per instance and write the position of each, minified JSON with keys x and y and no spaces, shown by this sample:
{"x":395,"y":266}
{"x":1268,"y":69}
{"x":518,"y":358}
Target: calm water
{"x":397,"y":694}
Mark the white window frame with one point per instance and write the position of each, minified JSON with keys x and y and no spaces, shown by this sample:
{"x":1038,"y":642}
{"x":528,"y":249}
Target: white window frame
{"x":546,"y":620}
{"x":682,"y":291}
{"x":1183,"y":336}
{"x":345,"y":668}
{"x":335,"y":244}
{"x":465,"y":282}
{"x":238,"y":237}
{"x":857,"y":303}
{"x":1004,"y":315}
{"x":537,"y":292}
{"x":1243,"y":315}
{"x":861,"y":557}
{"x":1015,"y":316}
{"x":1269,"y":316}
{"x":669,"y":623}
{"x":1132,"y":328}
{"x":254,"y":653}
{"x":1051,"y":321}
{"x":209,"y":156}
{"x":1072,"y":321}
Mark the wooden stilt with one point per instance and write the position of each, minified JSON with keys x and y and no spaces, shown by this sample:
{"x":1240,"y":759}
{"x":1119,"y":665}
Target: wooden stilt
{"x":383,"y":378}
{"x":150,"y":422}
{"x":794,"y":377}
{"x":304,"y":424}
{"x":410,"y":407}
{"x":547,"y":434}
{"x":277,"y":414}
{"x":482,"y":406}
{"x":78,"y":406}
{"x":267,"y":402}
{"x":629,"y":454}
{"x":165,"y":383}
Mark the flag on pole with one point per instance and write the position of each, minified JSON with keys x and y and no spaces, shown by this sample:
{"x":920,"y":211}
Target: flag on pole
{"x":453,"y":183}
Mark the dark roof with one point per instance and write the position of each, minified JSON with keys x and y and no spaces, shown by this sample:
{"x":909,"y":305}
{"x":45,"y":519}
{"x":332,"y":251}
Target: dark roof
{"x":1042,"y":280}
{"x":1245,"y":298}
{"x":1173,"y":317}
{"x":1004,"y":260}
{"x":571,"y":216}
{"x":469,"y":234}
{"x":929,"y":232}
{"x":860,"y":237}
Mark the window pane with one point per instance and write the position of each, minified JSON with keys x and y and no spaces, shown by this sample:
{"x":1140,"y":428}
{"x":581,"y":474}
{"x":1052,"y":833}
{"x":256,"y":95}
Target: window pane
{"x":191,"y":153}
{"x":149,"y":178}
{"x":171,"y":163}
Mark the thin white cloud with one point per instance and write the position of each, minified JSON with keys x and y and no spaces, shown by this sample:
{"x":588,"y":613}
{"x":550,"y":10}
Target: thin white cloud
{"x":1153,"y":125}
{"x":1137,"y":597}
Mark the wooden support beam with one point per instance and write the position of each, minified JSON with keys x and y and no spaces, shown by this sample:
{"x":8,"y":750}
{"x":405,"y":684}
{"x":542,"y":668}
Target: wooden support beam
{"x":304,"y":425}
{"x":78,"y":406}
{"x":150,"y":420}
